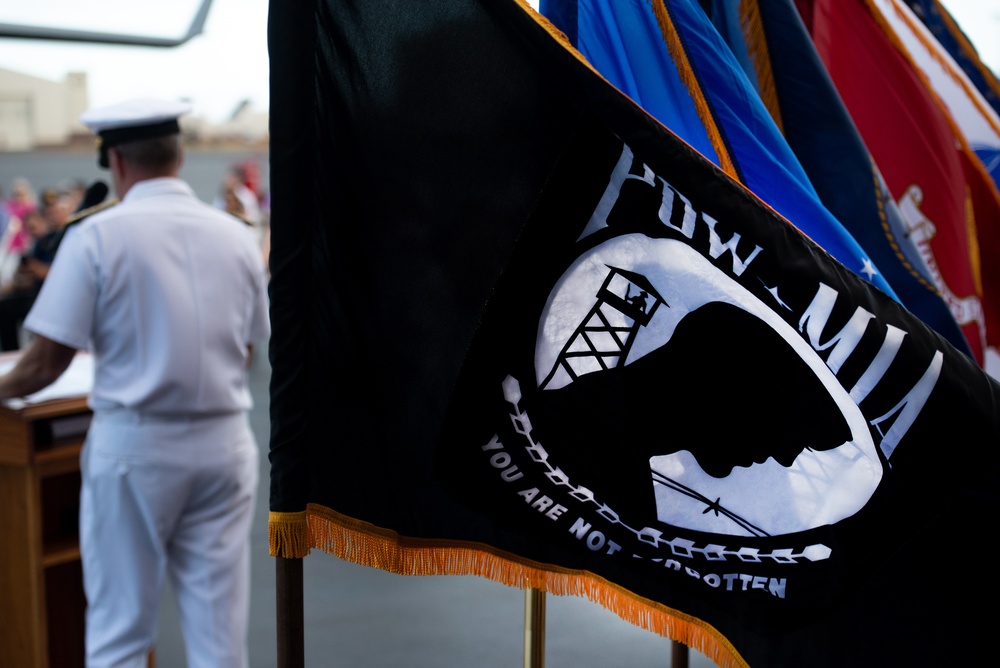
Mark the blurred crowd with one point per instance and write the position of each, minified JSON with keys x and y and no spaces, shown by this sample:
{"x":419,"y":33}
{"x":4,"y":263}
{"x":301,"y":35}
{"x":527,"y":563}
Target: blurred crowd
{"x":242,"y":194}
{"x":32,"y":223}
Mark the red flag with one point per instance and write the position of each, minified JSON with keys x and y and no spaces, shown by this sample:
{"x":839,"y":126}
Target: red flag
{"x":913,"y":140}
{"x":983,"y":220}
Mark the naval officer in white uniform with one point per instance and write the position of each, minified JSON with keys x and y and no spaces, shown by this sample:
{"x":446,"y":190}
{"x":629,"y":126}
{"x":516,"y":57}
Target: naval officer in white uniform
{"x":169,"y":295}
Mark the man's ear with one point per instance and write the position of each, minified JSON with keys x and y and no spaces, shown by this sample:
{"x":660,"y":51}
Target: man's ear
{"x":117,"y":168}
{"x":114,"y":160}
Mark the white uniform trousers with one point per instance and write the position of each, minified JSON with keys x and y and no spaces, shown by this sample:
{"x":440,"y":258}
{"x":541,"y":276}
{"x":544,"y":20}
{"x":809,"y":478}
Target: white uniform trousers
{"x":167,"y":498}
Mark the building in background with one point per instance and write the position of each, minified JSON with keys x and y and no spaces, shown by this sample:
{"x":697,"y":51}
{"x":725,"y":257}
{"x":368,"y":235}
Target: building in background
{"x":37,"y":113}
{"x":245,"y":125}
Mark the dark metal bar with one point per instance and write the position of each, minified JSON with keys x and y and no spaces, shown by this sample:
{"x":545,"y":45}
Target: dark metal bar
{"x":93,"y":37}
{"x":678,"y":655}
{"x":289,"y":603}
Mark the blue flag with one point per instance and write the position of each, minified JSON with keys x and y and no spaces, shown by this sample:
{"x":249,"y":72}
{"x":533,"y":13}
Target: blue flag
{"x":670,"y":59}
{"x":770,"y":41}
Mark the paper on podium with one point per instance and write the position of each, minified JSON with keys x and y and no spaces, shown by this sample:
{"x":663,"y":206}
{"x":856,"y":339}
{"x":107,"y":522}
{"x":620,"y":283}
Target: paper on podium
{"x":76,"y":381}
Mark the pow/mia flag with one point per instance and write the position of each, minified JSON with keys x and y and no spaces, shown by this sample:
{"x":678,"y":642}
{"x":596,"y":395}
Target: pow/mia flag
{"x":523,"y":331}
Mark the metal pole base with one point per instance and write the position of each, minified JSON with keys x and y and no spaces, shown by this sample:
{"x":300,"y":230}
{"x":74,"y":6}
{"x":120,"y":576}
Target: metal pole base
{"x":678,"y":655}
{"x":534,"y":628}
{"x":291,"y":629}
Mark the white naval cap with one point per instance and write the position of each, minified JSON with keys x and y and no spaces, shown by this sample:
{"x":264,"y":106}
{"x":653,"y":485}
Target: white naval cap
{"x":143,"y":118}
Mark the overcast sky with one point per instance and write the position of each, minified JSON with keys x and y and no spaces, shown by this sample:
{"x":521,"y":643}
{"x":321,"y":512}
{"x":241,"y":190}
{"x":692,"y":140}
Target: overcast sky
{"x":228,"y":62}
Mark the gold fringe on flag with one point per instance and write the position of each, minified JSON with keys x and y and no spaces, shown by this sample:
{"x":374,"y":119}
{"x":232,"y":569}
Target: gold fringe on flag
{"x":368,"y":545}
{"x":288,"y":535}
{"x":676,"y":49}
{"x":891,"y":238}
{"x":972,"y":236}
{"x":756,"y":40}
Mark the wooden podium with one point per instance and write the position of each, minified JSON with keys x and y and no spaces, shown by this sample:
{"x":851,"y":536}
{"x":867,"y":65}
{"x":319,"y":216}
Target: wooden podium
{"x":41,"y":581}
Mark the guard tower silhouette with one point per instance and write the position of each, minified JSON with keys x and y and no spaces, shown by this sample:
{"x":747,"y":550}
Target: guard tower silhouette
{"x":625,"y":302}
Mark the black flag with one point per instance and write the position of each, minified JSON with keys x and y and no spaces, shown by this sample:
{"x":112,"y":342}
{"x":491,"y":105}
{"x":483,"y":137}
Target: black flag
{"x":520,"y":330}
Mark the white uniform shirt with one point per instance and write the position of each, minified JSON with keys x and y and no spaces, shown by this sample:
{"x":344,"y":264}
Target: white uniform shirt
{"x":167,"y":292}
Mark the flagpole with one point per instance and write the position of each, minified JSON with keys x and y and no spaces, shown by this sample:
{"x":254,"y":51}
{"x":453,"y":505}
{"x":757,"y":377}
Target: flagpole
{"x":534,"y":628}
{"x":678,"y":655}
{"x":289,"y":602}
